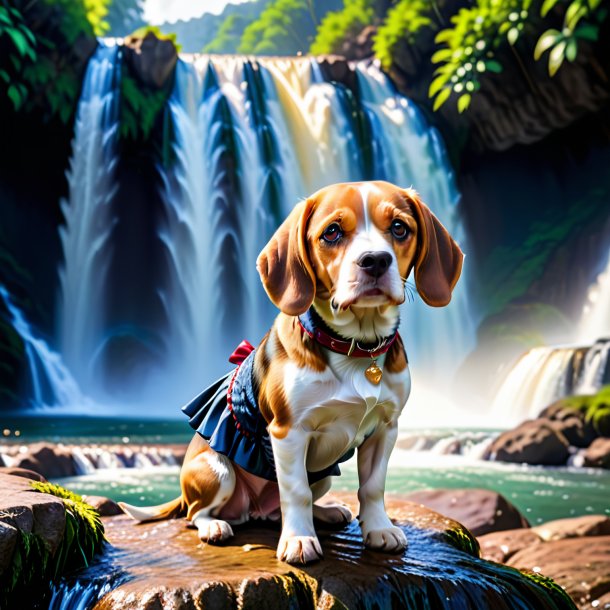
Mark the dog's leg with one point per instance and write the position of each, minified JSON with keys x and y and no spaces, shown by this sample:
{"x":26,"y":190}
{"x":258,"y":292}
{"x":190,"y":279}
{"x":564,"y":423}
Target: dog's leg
{"x":378,"y":531}
{"x":331,"y":513}
{"x":298,"y":542}
{"x":208,"y":482}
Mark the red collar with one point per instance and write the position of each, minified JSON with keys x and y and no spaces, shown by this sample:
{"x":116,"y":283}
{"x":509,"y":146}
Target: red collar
{"x":341,"y":346}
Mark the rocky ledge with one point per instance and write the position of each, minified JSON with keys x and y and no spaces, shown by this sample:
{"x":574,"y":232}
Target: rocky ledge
{"x":163,"y":565}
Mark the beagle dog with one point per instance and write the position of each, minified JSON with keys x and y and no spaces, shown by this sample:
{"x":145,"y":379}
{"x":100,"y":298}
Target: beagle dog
{"x":329,"y":378}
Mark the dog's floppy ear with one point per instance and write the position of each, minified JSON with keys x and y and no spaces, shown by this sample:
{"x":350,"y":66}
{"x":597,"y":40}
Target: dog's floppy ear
{"x":284,"y":264}
{"x":439,"y":259}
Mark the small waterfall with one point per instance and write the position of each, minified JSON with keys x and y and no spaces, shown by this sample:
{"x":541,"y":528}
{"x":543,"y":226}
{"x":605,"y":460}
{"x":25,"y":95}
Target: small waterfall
{"x":51,"y":381}
{"x":87,"y":234}
{"x":545,"y":374}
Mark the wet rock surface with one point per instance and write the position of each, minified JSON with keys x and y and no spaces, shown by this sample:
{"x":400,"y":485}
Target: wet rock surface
{"x":151,"y":58}
{"x":480,"y":510}
{"x":597,"y":455}
{"x":574,"y":552}
{"x":163,"y":565}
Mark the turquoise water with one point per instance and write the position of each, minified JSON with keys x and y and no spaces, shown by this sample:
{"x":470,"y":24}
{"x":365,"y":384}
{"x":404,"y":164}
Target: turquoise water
{"x":540,"y":493}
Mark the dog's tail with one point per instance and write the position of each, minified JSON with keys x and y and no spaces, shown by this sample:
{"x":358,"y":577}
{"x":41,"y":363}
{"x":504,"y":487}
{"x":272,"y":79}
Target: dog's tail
{"x":169,"y":510}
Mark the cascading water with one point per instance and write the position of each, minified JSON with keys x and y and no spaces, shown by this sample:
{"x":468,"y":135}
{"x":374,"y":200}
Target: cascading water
{"x":595,"y":319}
{"x":288,"y":133}
{"x":51,"y":382}
{"x":87,"y":234}
{"x":250,"y":138}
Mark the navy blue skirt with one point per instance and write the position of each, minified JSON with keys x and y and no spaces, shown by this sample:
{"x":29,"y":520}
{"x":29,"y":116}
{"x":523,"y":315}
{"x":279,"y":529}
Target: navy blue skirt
{"x":226,"y":414}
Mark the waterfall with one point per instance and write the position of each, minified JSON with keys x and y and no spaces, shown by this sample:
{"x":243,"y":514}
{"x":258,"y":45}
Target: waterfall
{"x":250,"y":137}
{"x":545,"y":374}
{"x":51,"y":382}
{"x":87,"y":235}
{"x":286,"y":132}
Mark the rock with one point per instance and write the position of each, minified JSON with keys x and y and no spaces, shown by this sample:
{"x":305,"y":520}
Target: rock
{"x":480,"y":510}
{"x":163,"y":565}
{"x":51,"y":461}
{"x":580,"y":565}
{"x":570,"y":422}
{"x":23,"y":508}
{"x":104,"y":506}
{"x":336,"y":68}
{"x":22,"y":472}
{"x":150,"y":58}
{"x":575,"y":527}
{"x":8,"y":539}
{"x":597,"y":455}
{"x":361,"y":47}
{"x":501,"y":546}
{"x":532,"y":442}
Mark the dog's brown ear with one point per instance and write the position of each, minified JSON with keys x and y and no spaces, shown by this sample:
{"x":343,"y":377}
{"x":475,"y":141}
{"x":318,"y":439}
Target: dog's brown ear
{"x":439,"y":259}
{"x":284,"y":264}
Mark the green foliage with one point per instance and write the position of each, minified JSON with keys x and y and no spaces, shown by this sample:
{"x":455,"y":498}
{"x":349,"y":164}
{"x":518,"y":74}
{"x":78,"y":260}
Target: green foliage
{"x":403,"y":22}
{"x":509,"y":271}
{"x":33,"y":566}
{"x":81,"y":17}
{"x":20,"y":48}
{"x":470,"y":47}
{"x":595,"y":408}
{"x":337,"y":26}
{"x":463,"y":540}
{"x":285,"y":27}
{"x":555,"y":591}
{"x":582,"y":21}
{"x":140,"y":107}
{"x":229,"y":35}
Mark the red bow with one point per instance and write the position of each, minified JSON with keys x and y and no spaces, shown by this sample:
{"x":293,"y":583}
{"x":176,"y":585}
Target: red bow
{"x":242,"y":351}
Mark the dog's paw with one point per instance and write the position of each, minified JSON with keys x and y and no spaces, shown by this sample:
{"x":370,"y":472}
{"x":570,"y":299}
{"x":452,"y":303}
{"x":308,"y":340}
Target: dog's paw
{"x":213,"y":530}
{"x":299,"y":549}
{"x":390,"y":539}
{"x":332,"y":514}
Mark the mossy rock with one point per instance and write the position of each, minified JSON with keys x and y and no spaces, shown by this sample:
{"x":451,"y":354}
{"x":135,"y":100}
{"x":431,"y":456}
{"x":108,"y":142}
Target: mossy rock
{"x":49,"y":539}
{"x":593,"y":409}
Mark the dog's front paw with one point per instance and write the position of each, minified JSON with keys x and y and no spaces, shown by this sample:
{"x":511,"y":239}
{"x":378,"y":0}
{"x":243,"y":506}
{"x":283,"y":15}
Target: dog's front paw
{"x":299,"y":549}
{"x":213,"y":530}
{"x":333,"y":514}
{"x":389,"y":539}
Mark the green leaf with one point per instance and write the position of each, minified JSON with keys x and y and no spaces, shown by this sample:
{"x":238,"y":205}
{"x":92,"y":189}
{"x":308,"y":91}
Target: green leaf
{"x":513,"y":35}
{"x":556,"y":57}
{"x":15,"y":96}
{"x":19,"y":40}
{"x":546,"y":41}
{"x":571,"y":49}
{"x":441,"y":98}
{"x":463,"y":102}
{"x":437,"y":84}
{"x":547,"y":5}
{"x":493,"y":66}
{"x":442,"y":55}
{"x":573,"y":15}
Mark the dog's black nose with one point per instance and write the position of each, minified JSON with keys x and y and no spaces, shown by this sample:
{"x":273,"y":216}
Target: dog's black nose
{"x":375,"y":263}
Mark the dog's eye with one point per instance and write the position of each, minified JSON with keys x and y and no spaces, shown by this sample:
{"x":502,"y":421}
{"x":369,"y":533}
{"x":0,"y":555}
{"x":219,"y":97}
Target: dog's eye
{"x":399,"y":230}
{"x":332,"y":233}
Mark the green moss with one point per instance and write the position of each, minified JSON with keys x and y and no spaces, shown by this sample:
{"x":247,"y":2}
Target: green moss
{"x":153,"y":29}
{"x":553,"y":590}
{"x":33,"y":568}
{"x":463,"y":540}
{"x":595,"y":409}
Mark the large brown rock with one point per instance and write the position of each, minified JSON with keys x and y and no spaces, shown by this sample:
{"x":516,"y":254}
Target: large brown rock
{"x":25,"y":509}
{"x":532,"y":442}
{"x":580,"y":565}
{"x":570,"y":422}
{"x":51,"y":461}
{"x":163,"y":565}
{"x":22,"y":472}
{"x":501,"y":546}
{"x":104,"y":506}
{"x":152,"y":59}
{"x":480,"y":510}
{"x":597,"y":455}
{"x":575,"y":527}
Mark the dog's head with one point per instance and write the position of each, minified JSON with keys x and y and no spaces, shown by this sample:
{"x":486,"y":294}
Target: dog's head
{"x":354,"y":245}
